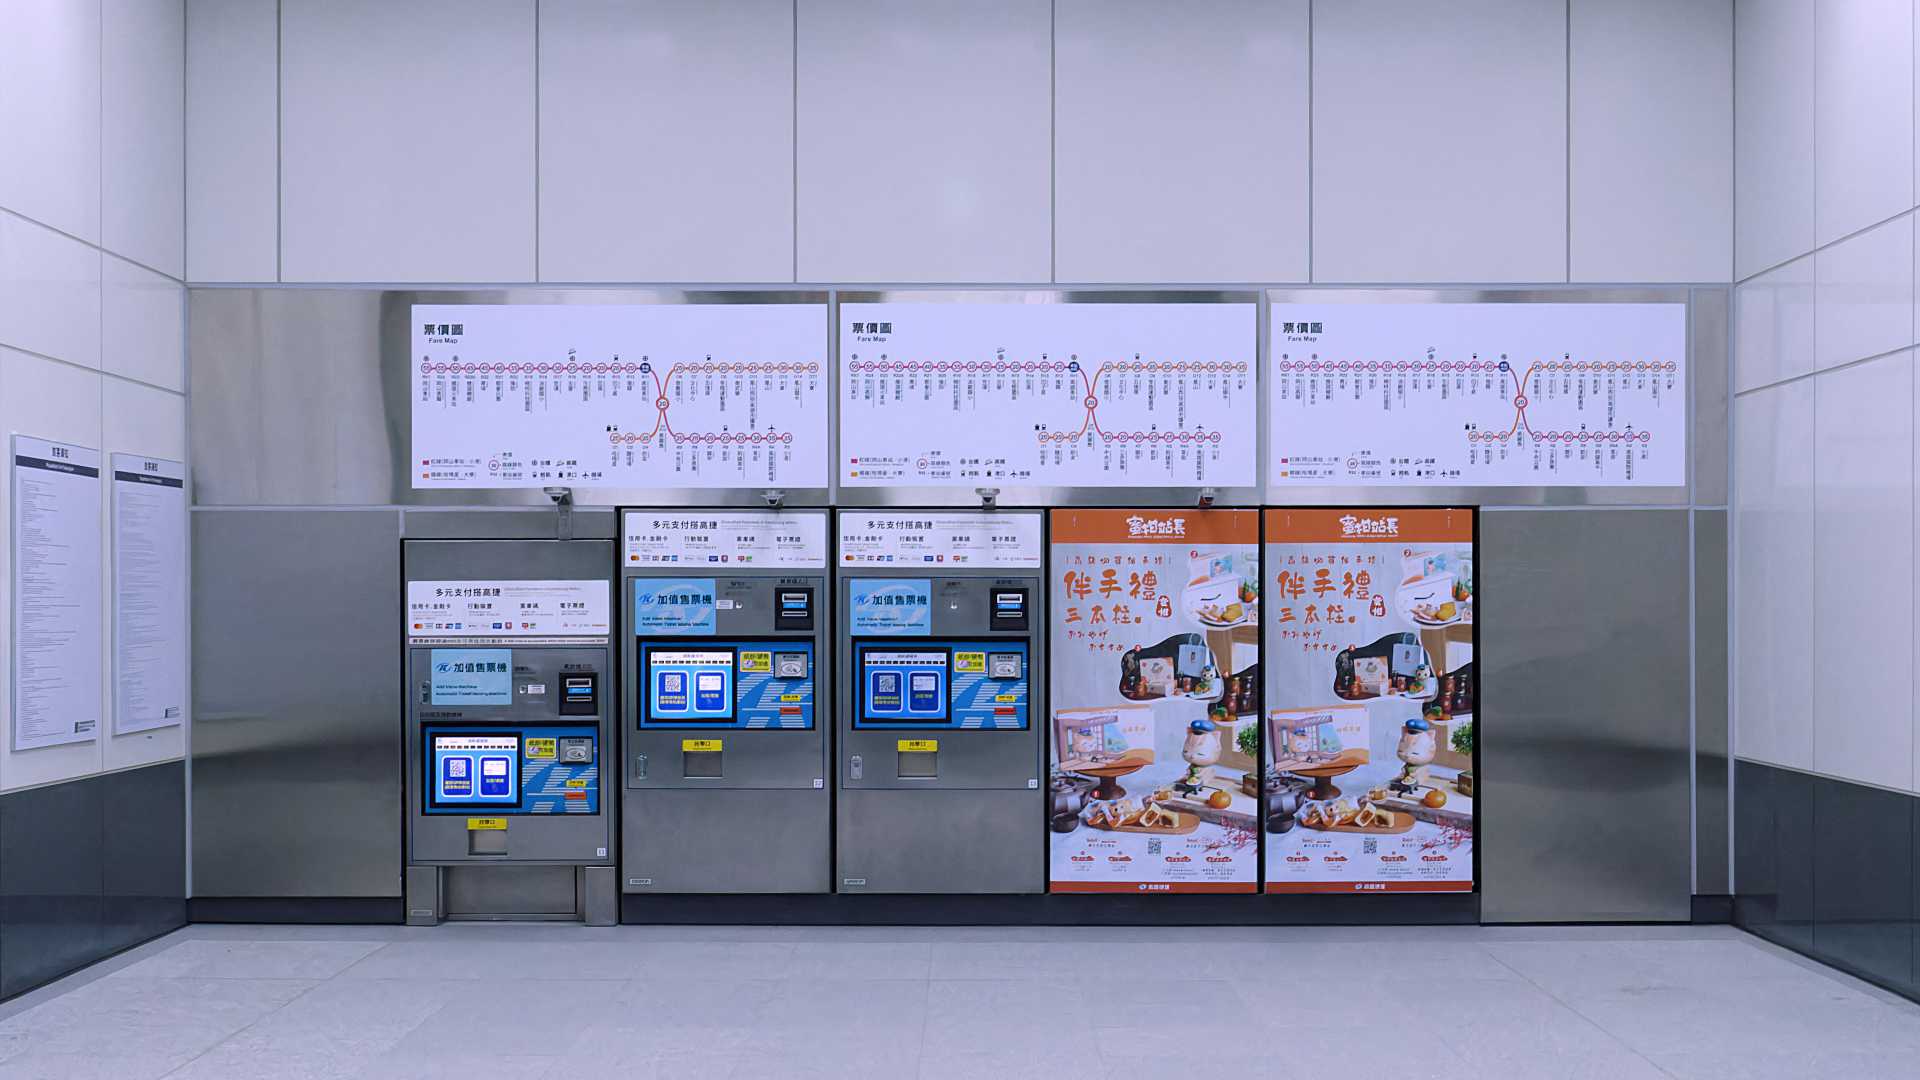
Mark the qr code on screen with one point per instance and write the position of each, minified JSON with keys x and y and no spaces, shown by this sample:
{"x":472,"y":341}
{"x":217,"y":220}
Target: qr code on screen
{"x":1369,"y":847}
{"x":1153,"y":847}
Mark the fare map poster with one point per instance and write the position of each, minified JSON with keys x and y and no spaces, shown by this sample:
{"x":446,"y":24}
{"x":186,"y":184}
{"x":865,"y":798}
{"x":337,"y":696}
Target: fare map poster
{"x":1371,"y":687}
{"x":1008,"y":392}
{"x":619,"y":395}
{"x":1154,"y":741}
{"x":1417,"y":394}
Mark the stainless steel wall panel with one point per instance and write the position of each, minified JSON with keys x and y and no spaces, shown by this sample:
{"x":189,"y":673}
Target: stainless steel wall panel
{"x":1712,"y":719}
{"x":1709,"y":373}
{"x":296,"y":686}
{"x":1584,"y":682}
{"x":507,"y":524}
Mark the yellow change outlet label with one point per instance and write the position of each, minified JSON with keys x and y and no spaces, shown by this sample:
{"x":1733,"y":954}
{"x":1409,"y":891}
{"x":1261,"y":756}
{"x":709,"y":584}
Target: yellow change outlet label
{"x":577,"y":783}
{"x":1006,"y":697}
{"x":486,"y":824}
{"x":699,"y":746}
{"x":970,"y":663}
{"x":542,"y":749}
{"x":756,"y":661}
{"x":918,"y":746}
{"x":792,"y":699}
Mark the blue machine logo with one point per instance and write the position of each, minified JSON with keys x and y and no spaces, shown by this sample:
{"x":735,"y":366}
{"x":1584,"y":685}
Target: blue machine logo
{"x":673,"y":606}
{"x":892,"y":606}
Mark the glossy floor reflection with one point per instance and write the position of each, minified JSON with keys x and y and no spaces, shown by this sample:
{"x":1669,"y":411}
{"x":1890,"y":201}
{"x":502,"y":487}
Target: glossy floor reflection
{"x":571,"y":1003}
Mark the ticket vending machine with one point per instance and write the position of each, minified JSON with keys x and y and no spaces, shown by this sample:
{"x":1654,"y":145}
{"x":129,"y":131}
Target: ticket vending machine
{"x":724,"y":648}
{"x":509,"y":671}
{"x":941,"y":642}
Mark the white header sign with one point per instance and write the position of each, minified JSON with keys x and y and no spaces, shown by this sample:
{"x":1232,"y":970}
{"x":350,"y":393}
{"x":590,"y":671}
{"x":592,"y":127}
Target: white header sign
{"x":1421,"y":394}
{"x":493,"y":609}
{"x":626,"y":395}
{"x":877,"y":537}
{"x":56,"y":593}
{"x":742,"y":538}
{"x":989,"y":394}
{"x":149,"y":593}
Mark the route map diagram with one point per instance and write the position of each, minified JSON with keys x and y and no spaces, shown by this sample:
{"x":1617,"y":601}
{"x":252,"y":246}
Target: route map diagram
{"x":984,"y":394}
{"x":1475,"y":394}
{"x":619,"y":395}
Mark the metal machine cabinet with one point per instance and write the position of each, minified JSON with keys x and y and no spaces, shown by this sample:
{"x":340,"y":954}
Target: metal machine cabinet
{"x":509,"y":665}
{"x":938,"y":761}
{"x":724,"y":649}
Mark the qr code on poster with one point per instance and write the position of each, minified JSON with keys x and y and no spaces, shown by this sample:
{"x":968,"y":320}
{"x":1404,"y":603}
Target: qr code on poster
{"x":1153,"y":847}
{"x":1369,"y":847}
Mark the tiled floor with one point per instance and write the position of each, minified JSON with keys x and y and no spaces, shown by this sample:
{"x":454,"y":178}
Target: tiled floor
{"x":571,"y":1003}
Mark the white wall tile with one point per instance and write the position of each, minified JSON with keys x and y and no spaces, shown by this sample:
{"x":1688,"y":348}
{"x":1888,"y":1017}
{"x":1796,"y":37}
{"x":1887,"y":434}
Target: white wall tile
{"x":1863,"y":295}
{"x":1773,"y":575}
{"x":1439,"y":141}
{"x":50,"y":113}
{"x":1863,"y":113}
{"x":137,"y":419}
{"x":1862,"y":600}
{"x":407,"y":141}
{"x":142,"y":325}
{"x":666,"y":140}
{"x":50,"y":401}
{"x":924,"y":141}
{"x":1181,"y":141}
{"x":1773,"y":133}
{"x":1651,"y":140}
{"x":233,"y":165}
{"x":49,"y":292}
{"x":1773,"y":325}
{"x":143,"y":133}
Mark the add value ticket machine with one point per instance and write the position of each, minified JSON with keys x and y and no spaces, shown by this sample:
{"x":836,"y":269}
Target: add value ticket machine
{"x":509,"y":664}
{"x":941,"y":645}
{"x":725,"y":647}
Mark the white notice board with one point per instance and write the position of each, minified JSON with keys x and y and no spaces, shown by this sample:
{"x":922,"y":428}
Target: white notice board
{"x":749,"y":538}
{"x":1098,"y":395}
{"x":149,"y":593}
{"x":489,"y":608}
{"x":619,"y":395}
{"x":1420,"y":394}
{"x":55,"y":540}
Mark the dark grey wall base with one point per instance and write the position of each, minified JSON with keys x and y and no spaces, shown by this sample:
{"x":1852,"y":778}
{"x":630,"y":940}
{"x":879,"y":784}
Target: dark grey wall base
{"x":1712,"y":910}
{"x":91,"y":868}
{"x":1098,"y":909}
{"x":1827,"y":868}
{"x":308,"y":910}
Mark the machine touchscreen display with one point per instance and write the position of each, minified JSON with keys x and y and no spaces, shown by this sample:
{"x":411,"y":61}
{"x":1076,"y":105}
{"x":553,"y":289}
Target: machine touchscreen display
{"x":904,"y":686}
{"x":476,"y":770}
{"x":690,"y":686}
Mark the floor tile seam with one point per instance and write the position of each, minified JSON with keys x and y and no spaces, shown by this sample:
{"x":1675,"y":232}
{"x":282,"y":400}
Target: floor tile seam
{"x":242,"y":1029}
{"x":1576,"y":1011}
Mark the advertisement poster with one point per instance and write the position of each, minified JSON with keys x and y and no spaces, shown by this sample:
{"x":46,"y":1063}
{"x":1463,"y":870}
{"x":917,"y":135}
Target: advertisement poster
{"x":1371,"y":686}
{"x":625,"y":395}
{"x":1417,"y":394}
{"x":1155,"y":735}
{"x":1006,"y":391}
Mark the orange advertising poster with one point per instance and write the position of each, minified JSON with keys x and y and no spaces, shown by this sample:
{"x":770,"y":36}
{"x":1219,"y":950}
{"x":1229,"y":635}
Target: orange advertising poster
{"x":1370,"y":694}
{"x":1154,"y":688}
{"x":1414,"y":525}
